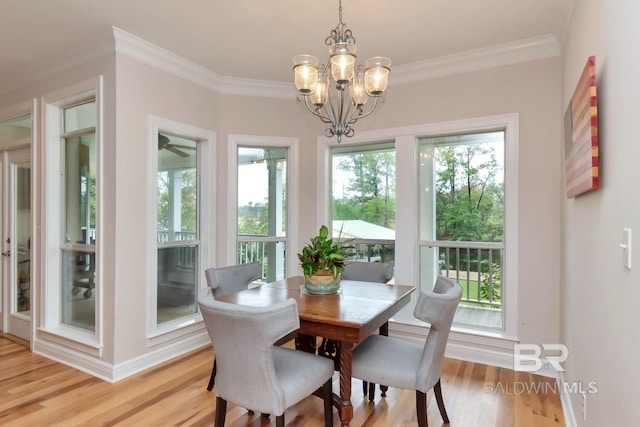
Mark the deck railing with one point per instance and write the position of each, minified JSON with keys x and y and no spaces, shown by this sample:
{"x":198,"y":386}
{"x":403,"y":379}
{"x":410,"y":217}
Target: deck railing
{"x":476,"y":266}
{"x":478,"y":269}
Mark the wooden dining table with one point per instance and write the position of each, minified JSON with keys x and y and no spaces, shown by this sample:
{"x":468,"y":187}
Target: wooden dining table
{"x":356,"y":311}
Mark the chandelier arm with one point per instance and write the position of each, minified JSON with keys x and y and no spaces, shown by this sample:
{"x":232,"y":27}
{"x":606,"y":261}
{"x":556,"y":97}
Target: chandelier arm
{"x":368,"y":113}
{"x":354,"y":113}
{"x":324,"y":119}
{"x":341,"y":109}
{"x":347,"y":118}
{"x":333,"y":116}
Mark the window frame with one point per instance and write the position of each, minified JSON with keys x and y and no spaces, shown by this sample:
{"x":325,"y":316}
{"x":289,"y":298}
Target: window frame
{"x":52,"y":212}
{"x":427,"y":224}
{"x":407,"y":140}
{"x":158,"y":333}
{"x":291,"y":144}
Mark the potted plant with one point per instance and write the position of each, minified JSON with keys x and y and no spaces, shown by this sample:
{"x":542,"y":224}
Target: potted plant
{"x":322,"y":260}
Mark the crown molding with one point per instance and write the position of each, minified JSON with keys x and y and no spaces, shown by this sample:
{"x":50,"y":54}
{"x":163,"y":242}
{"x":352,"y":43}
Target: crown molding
{"x":141,"y":50}
{"x":261,"y":88}
{"x":131,"y":46}
{"x":526,"y":50}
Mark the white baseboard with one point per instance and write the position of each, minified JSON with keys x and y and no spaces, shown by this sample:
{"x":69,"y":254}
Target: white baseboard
{"x":153,"y":358}
{"x":112,"y":373}
{"x":71,"y":357}
{"x":567,"y":406}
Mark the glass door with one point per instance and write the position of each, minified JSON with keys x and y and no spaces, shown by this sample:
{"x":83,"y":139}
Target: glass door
{"x":16,"y":243}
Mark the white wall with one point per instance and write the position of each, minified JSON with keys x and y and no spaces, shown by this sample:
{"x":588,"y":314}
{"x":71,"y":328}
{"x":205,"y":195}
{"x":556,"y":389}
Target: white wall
{"x":599,"y":296}
{"x":530,"y":89}
{"x":142,"y":91}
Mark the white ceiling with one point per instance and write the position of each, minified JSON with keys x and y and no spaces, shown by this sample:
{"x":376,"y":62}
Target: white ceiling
{"x":256,"y":39}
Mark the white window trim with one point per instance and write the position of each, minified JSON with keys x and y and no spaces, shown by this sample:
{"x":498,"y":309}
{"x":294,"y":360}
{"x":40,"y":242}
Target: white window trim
{"x":291,"y":144}
{"x":407,"y":142}
{"x":156,"y":334}
{"x":51,"y":210}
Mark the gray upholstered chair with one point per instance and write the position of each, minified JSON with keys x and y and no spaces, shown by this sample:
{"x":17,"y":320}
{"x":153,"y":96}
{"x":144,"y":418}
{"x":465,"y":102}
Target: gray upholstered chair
{"x":228,"y":280}
{"x":402,"y":364}
{"x":378,"y":272}
{"x":255,"y":373}
{"x":235,"y":278}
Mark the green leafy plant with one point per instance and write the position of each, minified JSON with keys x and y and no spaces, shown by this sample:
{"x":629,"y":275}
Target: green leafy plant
{"x":324,"y":255}
{"x":491,"y":283}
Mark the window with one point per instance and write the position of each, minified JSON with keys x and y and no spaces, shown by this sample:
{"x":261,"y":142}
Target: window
{"x":427,"y":240}
{"x":180,"y":225}
{"x":462,"y":212}
{"x":178,"y":214}
{"x":72,"y":295}
{"x":262,"y":208}
{"x":363,"y":189}
{"x":78,"y":248}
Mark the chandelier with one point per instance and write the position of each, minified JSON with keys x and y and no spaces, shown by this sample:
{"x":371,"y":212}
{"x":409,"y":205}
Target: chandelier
{"x":337,"y":91}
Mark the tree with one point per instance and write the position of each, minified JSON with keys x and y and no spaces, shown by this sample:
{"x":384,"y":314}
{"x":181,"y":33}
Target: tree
{"x":468,"y":197}
{"x":370,"y":194}
{"x":253,"y":219}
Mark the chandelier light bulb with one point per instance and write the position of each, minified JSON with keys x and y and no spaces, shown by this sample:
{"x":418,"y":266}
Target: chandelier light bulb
{"x":358,"y":94}
{"x":306,"y":73}
{"x":343,"y":62}
{"x":376,"y":75}
{"x":319,"y":95}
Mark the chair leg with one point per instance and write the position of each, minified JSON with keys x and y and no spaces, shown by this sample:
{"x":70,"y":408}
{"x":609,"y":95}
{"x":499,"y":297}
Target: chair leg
{"x":280,"y":421}
{"x":365,"y":388}
{"x":372,"y":391}
{"x":421,"y":408}
{"x":212,"y":380}
{"x":437,"y":391}
{"x":327,"y":394}
{"x":221,"y":411}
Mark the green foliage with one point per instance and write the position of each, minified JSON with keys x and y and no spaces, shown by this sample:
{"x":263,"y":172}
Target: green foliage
{"x":188,"y":201}
{"x":469,"y":201}
{"x":370,"y":194}
{"x":324,"y":253}
{"x":253,"y":219}
{"x":491,"y":282}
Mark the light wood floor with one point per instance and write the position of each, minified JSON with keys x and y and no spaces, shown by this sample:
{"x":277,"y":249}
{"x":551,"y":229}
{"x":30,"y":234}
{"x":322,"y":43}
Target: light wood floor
{"x":35,"y":391}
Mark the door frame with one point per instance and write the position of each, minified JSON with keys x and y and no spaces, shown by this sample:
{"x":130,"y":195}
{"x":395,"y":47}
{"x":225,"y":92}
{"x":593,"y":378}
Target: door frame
{"x":14,"y":323}
{"x":28,"y":143}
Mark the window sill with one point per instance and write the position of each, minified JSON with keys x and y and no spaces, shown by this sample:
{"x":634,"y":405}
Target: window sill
{"x":74,"y":338}
{"x":175,"y":329}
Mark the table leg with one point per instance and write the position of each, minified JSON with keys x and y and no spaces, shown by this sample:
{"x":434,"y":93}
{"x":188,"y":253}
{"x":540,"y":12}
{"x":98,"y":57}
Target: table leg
{"x":343,"y":403}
